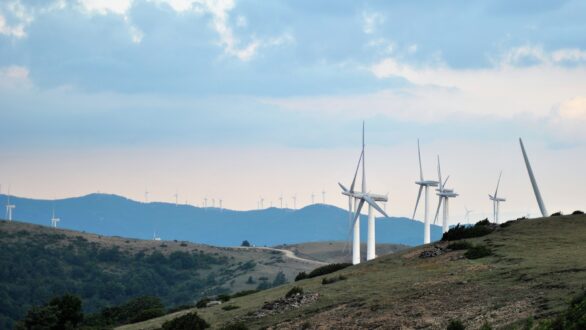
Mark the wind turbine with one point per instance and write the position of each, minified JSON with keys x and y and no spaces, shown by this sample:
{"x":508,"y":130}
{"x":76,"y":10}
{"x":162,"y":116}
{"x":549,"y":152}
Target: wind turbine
{"x":467,"y":216}
{"x":371,"y":199}
{"x":295,"y":202}
{"x":9,"y":207}
{"x":312,"y":198}
{"x":54,"y":219}
{"x":281,"y":200}
{"x":496,"y":200}
{"x":444,"y":197}
{"x":533,"y":182}
{"x":424,"y":184}
{"x":146,"y":196}
{"x":262,"y":200}
{"x":323,"y":196}
{"x":176,"y":198}
{"x":220,"y":201}
{"x":351,"y":204}
{"x":205,"y":202}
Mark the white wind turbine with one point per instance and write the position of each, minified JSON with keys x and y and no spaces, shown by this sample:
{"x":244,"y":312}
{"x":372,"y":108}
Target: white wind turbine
{"x":467,"y":216}
{"x":424,"y":184}
{"x":533,"y":182}
{"x":371,"y":199}
{"x":294,"y":202}
{"x":496,"y":200}
{"x":54,"y":219}
{"x":351,"y":204}
{"x":444,"y":198}
{"x":323,"y":196}
{"x":312,"y":198}
{"x":176,"y":198}
{"x":281,"y":200}
{"x":9,"y":207}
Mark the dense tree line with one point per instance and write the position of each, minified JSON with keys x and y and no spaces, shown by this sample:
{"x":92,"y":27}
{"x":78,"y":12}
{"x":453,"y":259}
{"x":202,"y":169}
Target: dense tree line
{"x":34,"y":267}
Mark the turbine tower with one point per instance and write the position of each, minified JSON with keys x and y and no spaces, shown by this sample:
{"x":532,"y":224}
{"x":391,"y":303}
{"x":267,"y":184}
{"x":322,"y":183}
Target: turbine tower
{"x":533,"y":182}
{"x":312,"y":198}
{"x":323,"y":196}
{"x":176,"y":198}
{"x":355,"y":227}
{"x":281,"y":200}
{"x":295,"y":202}
{"x":424,"y":184}
{"x":467,"y":216}
{"x":146,"y":196}
{"x":444,"y":198}
{"x":54,"y":220}
{"x":496,"y":201}
{"x":9,"y":207}
{"x":371,"y":199}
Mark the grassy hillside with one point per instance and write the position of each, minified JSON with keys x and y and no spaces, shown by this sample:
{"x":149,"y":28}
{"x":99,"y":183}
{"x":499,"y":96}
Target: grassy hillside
{"x":536,"y":267}
{"x":39,"y":262}
{"x":336,"y":251}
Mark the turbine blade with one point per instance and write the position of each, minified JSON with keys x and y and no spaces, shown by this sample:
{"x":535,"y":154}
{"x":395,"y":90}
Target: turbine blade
{"x":419,"y":154}
{"x":417,"y":202}
{"x":533,"y":182}
{"x":437,"y":211}
{"x":439,"y":173}
{"x":342,"y":186}
{"x":357,"y":213}
{"x":363,"y":161}
{"x":373,"y":204}
{"x":497,"y":185}
{"x":356,"y":172}
{"x":444,"y":184}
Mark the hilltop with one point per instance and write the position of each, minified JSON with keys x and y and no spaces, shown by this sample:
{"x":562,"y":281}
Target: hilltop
{"x":115,"y":215}
{"x":536,"y":267}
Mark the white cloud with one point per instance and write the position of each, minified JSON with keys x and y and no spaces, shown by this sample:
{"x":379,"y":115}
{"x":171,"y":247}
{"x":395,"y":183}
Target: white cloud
{"x":370,"y":21}
{"x":21,"y":16}
{"x":535,"y":54}
{"x":103,"y":7}
{"x":14,"y":77}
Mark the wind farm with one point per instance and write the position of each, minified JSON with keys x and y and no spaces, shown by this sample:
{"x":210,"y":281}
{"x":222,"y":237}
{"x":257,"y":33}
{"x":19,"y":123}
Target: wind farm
{"x":230,"y":164}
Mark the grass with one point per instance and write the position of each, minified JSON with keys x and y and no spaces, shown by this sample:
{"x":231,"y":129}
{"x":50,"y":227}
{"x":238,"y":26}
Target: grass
{"x":536,"y":266}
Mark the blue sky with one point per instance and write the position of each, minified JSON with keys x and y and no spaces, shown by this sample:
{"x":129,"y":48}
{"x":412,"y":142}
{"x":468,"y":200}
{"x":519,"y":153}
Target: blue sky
{"x":154,"y":94}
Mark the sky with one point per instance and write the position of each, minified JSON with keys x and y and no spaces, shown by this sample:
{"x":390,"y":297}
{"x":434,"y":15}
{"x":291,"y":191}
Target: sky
{"x":243,"y":99}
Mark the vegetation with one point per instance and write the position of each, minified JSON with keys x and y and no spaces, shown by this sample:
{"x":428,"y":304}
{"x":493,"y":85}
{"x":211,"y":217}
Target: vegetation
{"x":478,"y":251}
{"x":190,"y":321}
{"x":294,"y":291}
{"x":60,"y":313}
{"x":574,"y":318}
{"x":557,"y":214}
{"x":327,"y":269}
{"x":577,"y":212}
{"x":331,"y":280}
{"x":245,"y":243}
{"x":459,"y":245}
{"x":456,"y":325}
{"x":301,"y":276}
{"x":480,"y":229}
{"x":229,"y":307}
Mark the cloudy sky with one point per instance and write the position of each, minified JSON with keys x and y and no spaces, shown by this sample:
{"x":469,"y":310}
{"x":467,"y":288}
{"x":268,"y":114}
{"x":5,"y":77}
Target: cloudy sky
{"x":242,"y":99}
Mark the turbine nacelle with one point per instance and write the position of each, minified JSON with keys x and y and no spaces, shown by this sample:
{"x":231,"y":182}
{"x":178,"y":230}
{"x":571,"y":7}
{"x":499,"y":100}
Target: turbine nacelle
{"x":429,"y":183}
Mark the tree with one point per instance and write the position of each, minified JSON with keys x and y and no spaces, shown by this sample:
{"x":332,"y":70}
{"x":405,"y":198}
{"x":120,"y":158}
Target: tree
{"x":189,"y":321}
{"x":280,"y":279}
{"x":60,"y":313}
{"x":245,"y":243}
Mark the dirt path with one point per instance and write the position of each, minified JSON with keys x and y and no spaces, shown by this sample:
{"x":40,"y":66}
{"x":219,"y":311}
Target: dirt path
{"x":289,"y":254}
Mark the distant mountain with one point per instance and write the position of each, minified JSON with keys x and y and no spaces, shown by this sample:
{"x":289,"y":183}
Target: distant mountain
{"x":118,"y":216}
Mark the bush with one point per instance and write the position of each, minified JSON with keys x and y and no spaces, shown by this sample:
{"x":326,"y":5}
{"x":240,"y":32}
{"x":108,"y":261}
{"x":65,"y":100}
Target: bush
{"x":230,"y":307}
{"x":577,"y":212}
{"x":189,"y":321}
{"x":456,"y":325}
{"x":557,"y":214}
{"x":224,"y":298}
{"x":294,"y":291}
{"x":301,"y":276}
{"x":481,"y":228}
{"x":461,"y":245}
{"x":326,"y":280}
{"x":478,"y":251}
{"x":245,"y":243}
{"x":203,"y":302}
{"x":327,"y":269}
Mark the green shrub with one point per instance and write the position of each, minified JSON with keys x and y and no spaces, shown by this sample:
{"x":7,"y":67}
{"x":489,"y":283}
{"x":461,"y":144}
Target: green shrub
{"x":224,"y":297}
{"x":301,"y":276}
{"x":456,"y":325}
{"x":460,"y":245}
{"x":486,"y":326}
{"x":190,"y":321}
{"x":478,"y":251}
{"x":203,"y":302}
{"x":457,"y":232}
{"x":230,"y":307}
{"x":577,"y":212}
{"x":294,"y":291}
{"x":326,"y":280}
{"x":327,"y":269}
{"x":557,"y":214}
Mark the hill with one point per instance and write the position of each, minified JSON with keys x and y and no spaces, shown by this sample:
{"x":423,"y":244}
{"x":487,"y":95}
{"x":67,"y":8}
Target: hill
{"x":536,"y":267}
{"x":114,"y":215}
{"x":336,"y":251}
{"x":38,"y":263}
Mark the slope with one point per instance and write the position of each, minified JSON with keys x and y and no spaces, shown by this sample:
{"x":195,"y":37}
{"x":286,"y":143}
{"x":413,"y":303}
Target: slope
{"x":537,"y":266}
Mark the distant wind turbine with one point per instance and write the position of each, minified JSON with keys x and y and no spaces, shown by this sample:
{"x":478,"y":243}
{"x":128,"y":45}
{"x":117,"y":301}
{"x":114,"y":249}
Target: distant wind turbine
{"x":176,"y":198}
{"x":281,"y":200}
{"x":496,"y":201}
{"x":294,"y":202}
{"x":54,"y":219}
{"x":9,"y":207}
{"x":467,"y":216}
{"x":146,"y":196}
{"x":323,"y":196}
{"x":444,"y":197}
{"x":312,"y":198}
